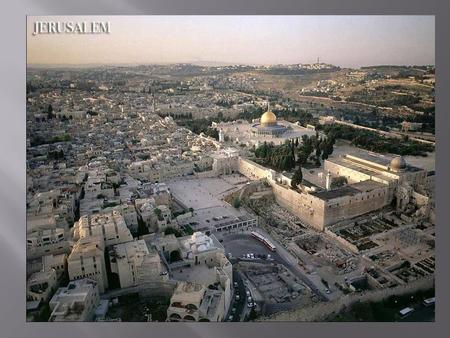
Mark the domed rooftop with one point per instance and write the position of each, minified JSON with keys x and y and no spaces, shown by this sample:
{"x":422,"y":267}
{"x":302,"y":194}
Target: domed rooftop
{"x":268,"y":118}
{"x":398,"y":163}
{"x":199,"y":242}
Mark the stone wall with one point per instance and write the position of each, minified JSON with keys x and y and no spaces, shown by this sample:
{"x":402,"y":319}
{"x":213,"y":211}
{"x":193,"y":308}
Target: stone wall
{"x":252,"y":169}
{"x":346,"y":207}
{"x":314,"y":211}
{"x":346,"y":244}
{"x":308,"y":208}
{"x":321,"y":311}
{"x":352,"y":175}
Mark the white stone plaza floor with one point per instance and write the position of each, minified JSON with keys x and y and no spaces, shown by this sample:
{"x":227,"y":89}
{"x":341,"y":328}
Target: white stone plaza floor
{"x":205,"y":195}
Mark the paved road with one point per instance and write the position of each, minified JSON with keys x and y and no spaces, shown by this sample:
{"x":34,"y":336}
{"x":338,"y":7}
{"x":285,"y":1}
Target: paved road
{"x":314,"y":281}
{"x":421,"y":314}
{"x":240,"y":305}
{"x":242,"y":243}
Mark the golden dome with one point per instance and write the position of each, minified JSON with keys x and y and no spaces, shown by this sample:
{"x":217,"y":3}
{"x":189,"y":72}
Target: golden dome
{"x":268,"y":118}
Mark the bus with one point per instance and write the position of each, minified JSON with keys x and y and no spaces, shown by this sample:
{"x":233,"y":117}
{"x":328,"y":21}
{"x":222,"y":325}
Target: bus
{"x":406,"y":311}
{"x":264,"y":240}
{"x":429,"y":301}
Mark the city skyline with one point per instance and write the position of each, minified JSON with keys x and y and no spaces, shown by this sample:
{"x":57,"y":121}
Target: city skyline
{"x":258,"y":40}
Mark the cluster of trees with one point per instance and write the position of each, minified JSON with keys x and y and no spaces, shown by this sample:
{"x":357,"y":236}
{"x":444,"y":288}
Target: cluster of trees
{"x":299,"y":71}
{"x":212,"y":132}
{"x":196,"y":126}
{"x":383,"y":96}
{"x":203,"y":125}
{"x":373,"y":141}
{"x":281,"y":157}
{"x":321,"y":147}
{"x":288,"y":114}
{"x":38,"y":140}
{"x":170,"y":231}
{"x":178,"y":116}
{"x":56,"y":154}
{"x":293,"y":152}
{"x":428,"y":119}
{"x":225,"y":103}
{"x":297,"y":178}
{"x":373,"y":118}
{"x":30,"y":87}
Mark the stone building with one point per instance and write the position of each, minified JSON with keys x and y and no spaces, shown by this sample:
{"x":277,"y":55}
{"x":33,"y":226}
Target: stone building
{"x":373,"y":183}
{"x":194,"y":302}
{"x":110,"y":226}
{"x":76,"y":302}
{"x":41,"y":285}
{"x":128,"y":259}
{"x":87,"y":260}
{"x":268,"y":125}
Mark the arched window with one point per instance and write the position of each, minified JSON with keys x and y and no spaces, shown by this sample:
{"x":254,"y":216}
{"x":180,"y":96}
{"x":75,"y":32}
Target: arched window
{"x":189,"y":318}
{"x":191,"y":307}
{"x":175,"y":316}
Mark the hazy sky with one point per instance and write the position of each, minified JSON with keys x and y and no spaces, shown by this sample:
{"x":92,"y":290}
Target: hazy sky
{"x":347,"y":41}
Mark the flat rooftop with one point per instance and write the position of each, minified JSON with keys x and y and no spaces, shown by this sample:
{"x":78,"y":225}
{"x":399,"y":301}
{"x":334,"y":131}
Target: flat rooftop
{"x":348,"y":190}
{"x":362,"y":168}
{"x":378,"y":161}
{"x":200,"y":274}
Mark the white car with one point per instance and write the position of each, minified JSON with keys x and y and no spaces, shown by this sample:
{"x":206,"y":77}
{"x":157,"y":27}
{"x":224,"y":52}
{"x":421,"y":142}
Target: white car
{"x":237,"y":297}
{"x":249,"y":305}
{"x":327,"y":291}
{"x":247,"y":293}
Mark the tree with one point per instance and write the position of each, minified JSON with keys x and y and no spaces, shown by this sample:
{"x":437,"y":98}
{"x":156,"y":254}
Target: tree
{"x":318,"y":152}
{"x":327,"y":147}
{"x":339,"y":181}
{"x":301,"y":158}
{"x":253,"y":314}
{"x":170,"y":230}
{"x":49,"y":112}
{"x":297,"y":178}
{"x":175,"y":256}
{"x":237,"y":202}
